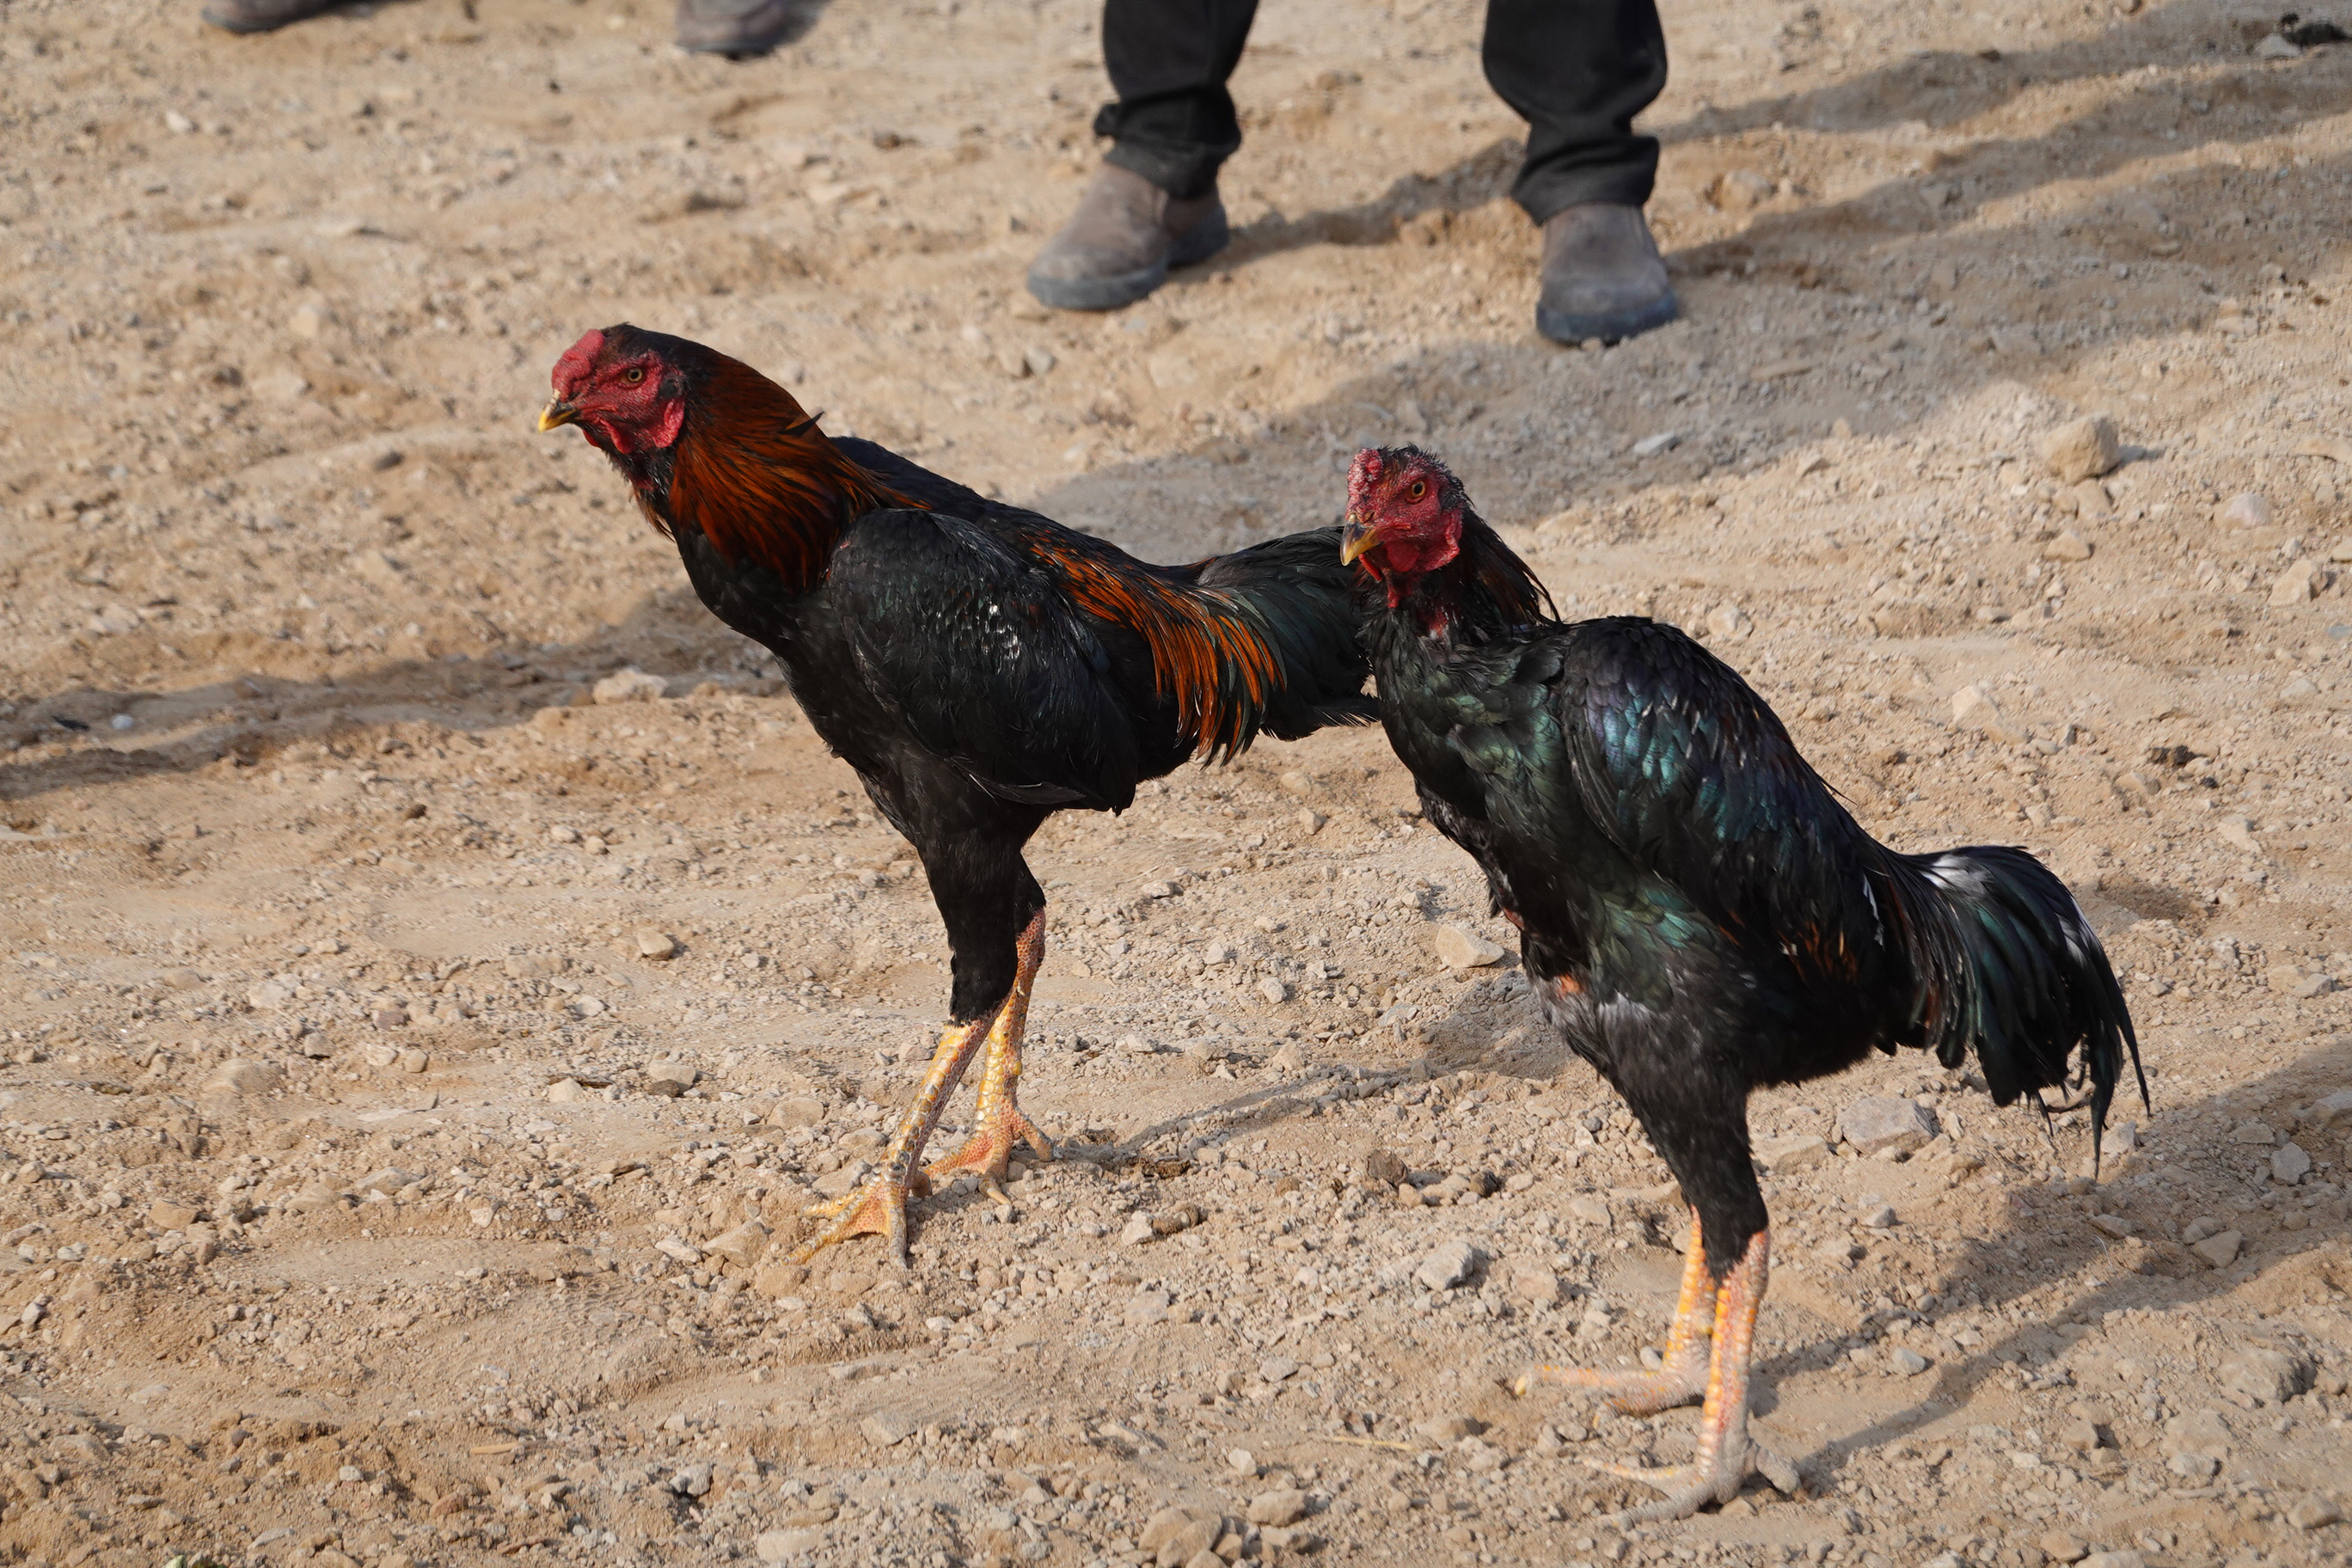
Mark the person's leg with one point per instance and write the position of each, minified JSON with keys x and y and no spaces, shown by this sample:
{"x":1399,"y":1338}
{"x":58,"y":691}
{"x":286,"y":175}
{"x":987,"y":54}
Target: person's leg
{"x":1173,"y":123}
{"x":1154,"y":204}
{"x":1579,"y":72}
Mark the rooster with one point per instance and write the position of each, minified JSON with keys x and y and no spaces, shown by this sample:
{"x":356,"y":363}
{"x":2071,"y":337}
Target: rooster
{"x":1698,"y":915}
{"x":981,"y":666}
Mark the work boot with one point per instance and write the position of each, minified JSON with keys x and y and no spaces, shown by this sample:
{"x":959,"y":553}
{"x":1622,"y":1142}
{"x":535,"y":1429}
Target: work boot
{"x":1602,"y":276}
{"x":262,"y":15}
{"x":1120,"y":243}
{"x":736,"y":28}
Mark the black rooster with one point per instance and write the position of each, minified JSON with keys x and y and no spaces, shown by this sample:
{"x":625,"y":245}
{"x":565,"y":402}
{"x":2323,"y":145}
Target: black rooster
{"x":1698,"y":914}
{"x":981,"y":666}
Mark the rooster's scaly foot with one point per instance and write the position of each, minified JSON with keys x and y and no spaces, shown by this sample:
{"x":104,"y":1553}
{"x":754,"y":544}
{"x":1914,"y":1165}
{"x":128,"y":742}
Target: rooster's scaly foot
{"x":1690,"y":1488}
{"x":877,"y":1208}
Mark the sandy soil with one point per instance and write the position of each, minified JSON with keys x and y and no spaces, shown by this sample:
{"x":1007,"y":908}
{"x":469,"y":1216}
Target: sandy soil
{"x":345,"y":1216}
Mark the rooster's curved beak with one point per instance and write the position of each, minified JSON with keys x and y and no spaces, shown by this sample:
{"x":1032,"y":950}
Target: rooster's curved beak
{"x":557,"y":412}
{"x":1358,"y":537}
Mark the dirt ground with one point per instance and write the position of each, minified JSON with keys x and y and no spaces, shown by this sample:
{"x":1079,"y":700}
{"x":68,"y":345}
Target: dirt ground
{"x":375,"y":1192}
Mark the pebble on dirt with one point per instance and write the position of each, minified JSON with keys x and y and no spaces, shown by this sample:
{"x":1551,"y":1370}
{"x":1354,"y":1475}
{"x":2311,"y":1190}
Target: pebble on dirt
{"x":2082,"y":449}
{"x":1460,"y":949}
{"x":1873,"y":1123}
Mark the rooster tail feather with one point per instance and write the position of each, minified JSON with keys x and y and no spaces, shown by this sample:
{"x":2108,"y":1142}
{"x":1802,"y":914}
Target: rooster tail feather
{"x":2010,"y":968}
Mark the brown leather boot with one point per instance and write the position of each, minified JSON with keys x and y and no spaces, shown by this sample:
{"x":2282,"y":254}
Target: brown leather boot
{"x":1602,"y":276}
{"x":736,"y":28}
{"x":1120,"y":243}
{"x":262,"y":15}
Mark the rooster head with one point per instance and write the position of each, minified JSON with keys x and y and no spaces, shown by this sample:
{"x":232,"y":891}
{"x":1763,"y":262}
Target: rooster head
{"x":1405,"y":515}
{"x":625,"y":389}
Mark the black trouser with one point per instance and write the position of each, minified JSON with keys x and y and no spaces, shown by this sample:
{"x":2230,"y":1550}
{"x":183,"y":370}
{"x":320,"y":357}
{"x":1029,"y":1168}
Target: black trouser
{"x":1576,"y":70}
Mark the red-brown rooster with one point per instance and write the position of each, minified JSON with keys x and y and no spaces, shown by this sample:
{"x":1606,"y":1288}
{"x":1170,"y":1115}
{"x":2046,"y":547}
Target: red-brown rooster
{"x":981,"y":666}
{"x":1700,"y":916}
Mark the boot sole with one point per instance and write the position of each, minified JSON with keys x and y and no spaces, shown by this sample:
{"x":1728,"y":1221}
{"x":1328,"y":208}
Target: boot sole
{"x":1196,"y":245}
{"x":1609,"y":326}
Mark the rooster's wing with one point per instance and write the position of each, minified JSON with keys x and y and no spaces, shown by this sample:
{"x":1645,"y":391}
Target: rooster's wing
{"x":984,"y":659}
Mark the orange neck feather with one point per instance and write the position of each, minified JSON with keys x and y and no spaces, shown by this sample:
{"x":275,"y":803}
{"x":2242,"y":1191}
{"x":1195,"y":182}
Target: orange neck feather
{"x":756,"y":477}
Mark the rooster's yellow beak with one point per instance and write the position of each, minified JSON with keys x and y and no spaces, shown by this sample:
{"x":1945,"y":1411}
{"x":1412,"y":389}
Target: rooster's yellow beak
{"x":557,"y":412}
{"x":1358,"y":537}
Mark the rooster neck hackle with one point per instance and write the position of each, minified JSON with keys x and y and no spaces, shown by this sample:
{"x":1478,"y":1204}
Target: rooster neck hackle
{"x":752,"y":474}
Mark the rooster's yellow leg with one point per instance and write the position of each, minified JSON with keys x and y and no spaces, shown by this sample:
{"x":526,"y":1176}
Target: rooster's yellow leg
{"x":880,"y":1207}
{"x":1727,"y":1456}
{"x":997,"y":1122}
{"x":1681,"y":1379}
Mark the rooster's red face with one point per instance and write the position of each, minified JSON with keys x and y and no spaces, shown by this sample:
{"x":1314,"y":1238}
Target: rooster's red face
{"x":622,"y":394}
{"x":1404,"y":514}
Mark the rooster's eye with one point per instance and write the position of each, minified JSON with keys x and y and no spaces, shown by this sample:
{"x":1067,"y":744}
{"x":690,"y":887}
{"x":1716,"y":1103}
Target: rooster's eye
{"x":634,"y":374}
{"x":1419,"y":489}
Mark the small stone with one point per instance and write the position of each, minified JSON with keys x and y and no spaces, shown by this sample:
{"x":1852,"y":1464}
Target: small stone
{"x":1384,"y":1167}
{"x":670,"y":1080}
{"x":2259,"y":1133}
{"x":1191,"y":1538}
{"x":2220,"y":1251}
{"x":2113,"y":1559}
{"x":1972,"y":709}
{"x":2275,"y":47}
{"x":268,"y":996}
{"x":390,"y":1179}
{"x":1797,"y":1152}
{"x":566,"y":1091}
{"x":1278,"y":1368}
{"x":1037,"y":361}
{"x":1297,"y":782}
{"x":178,"y":124}
{"x":307,"y":321}
{"x":1535,"y":1285}
{"x":1448,"y":1428}
{"x":2299,"y":689}
{"x":2298,"y":584}
{"x":2289,"y":1165}
{"x":171,"y":1214}
{"x":2193,"y":1466}
{"x":678,"y":1249}
{"x":1906,"y":1362}
{"x":378,"y":1055}
{"x":1740,"y":191}
{"x":1275,"y":991}
{"x":1242,"y":1462}
{"x":1289,"y":1061}
{"x":741,"y":1246}
{"x":2068,"y":546}
{"x":2265,"y":1377}
{"x":414,"y":1060}
{"x":657,"y":945}
{"x":2328,"y":1112}
{"x":1285,"y":1505}
{"x":1311,"y":821}
{"x":2247,"y":508}
{"x":244,"y":1079}
{"x":691,"y":1480}
{"x":1171,"y":1522}
{"x":2111,"y":1224}
{"x":780,"y":1280}
{"x":1460,"y":949}
{"x":1449,"y":1265}
{"x":787,"y":1545}
{"x":883,"y":1430}
{"x":631,"y":685}
{"x":1878,"y":1216}
{"x":2315,"y":1513}
{"x":393,"y":1017}
{"x":1136,"y":1231}
{"x":796,"y":1110}
{"x":2083,"y":449}
{"x":1873,"y":1123}
{"x":1728,"y":622}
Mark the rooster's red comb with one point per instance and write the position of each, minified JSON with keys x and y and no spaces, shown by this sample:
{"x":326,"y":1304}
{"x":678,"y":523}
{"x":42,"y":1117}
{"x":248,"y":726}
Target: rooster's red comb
{"x":572,"y":370}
